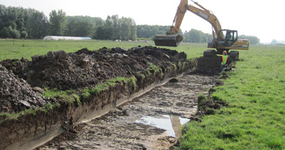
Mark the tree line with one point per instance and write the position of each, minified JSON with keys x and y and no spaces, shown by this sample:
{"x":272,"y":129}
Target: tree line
{"x":197,"y":36}
{"x":18,"y":22}
{"x":149,"y":31}
{"x":22,"y":23}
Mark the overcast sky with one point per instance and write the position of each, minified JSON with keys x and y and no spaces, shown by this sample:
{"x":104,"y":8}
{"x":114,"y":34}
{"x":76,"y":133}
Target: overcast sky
{"x":261,"y":18}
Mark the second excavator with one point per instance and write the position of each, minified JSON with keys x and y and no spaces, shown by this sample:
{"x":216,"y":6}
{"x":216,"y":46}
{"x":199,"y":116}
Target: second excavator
{"x":223,"y":39}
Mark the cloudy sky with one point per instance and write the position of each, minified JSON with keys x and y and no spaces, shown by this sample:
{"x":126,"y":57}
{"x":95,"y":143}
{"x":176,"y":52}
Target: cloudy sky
{"x":261,"y":18}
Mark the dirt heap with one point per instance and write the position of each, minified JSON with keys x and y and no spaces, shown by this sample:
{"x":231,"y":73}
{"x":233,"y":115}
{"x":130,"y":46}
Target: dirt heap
{"x":86,"y":68}
{"x":22,"y":80}
{"x":16,"y":94}
{"x":208,"y":65}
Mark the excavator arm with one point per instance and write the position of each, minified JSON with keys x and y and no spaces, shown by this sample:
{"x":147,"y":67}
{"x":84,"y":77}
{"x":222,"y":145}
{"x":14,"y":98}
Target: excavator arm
{"x":222,"y":40}
{"x":173,"y":39}
{"x":181,"y":10}
{"x":208,"y":16}
{"x":172,"y":35}
{"x":201,"y":12}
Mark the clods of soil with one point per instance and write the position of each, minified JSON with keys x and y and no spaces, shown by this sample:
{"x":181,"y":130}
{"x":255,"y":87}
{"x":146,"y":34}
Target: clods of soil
{"x":16,"y":94}
{"x":86,"y":68}
{"x":22,"y":81}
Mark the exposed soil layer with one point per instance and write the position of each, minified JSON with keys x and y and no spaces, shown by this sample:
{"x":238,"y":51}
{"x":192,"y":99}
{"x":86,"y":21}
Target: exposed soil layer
{"x":120,"y":129}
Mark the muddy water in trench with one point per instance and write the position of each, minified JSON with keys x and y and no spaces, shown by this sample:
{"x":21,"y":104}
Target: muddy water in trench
{"x":151,"y":121}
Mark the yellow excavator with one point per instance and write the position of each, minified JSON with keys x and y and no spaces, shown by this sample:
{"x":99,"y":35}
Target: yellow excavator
{"x":223,"y":39}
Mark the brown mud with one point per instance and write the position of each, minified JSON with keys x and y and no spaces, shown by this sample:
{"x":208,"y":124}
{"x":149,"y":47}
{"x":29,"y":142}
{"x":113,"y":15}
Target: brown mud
{"x":132,"y":125}
{"x":23,"y":81}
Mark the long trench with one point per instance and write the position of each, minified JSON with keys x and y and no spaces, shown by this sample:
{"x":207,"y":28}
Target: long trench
{"x":150,"y":121}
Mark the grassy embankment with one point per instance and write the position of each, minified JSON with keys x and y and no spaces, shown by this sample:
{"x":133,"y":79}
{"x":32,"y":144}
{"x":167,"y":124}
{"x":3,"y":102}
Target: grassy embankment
{"x":255,"y":117}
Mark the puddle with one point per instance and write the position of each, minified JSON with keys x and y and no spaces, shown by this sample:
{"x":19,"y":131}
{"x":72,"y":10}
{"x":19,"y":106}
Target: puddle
{"x":171,"y":123}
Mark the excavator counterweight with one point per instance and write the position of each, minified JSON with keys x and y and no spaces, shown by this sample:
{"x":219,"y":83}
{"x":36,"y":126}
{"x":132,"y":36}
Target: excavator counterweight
{"x":167,"y":40}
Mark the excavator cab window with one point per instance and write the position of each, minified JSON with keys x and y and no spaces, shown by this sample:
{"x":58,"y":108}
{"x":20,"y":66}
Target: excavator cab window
{"x":227,"y":38}
{"x":231,"y":38}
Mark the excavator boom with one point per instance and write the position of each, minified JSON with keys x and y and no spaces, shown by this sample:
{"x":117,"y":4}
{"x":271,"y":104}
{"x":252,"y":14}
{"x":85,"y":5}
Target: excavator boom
{"x":172,"y":38}
{"x":222,"y":39}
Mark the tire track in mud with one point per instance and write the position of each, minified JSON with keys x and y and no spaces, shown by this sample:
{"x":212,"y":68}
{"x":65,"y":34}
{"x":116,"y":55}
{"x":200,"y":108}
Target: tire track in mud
{"x":134,"y":125}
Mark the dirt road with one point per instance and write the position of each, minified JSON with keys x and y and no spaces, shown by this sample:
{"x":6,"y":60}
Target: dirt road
{"x":151,"y":121}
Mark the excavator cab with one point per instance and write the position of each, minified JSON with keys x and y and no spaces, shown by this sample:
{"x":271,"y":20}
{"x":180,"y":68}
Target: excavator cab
{"x":227,"y":38}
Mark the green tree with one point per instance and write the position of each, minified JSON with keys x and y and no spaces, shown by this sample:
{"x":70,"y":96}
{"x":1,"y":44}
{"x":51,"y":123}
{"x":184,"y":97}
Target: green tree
{"x":108,"y":27}
{"x":5,"y":32}
{"x":186,"y":36}
{"x":195,"y":36}
{"x":2,"y":14}
{"x":87,"y":23}
{"x":125,"y":28}
{"x":83,"y":28}
{"x":17,"y":22}
{"x":149,"y":31}
{"x":133,"y":33}
{"x":101,"y":33}
{"x":15,"y":34}
{"x":71,"y":27}
{"x":209,"y":37}
{"x":37,"y":25}
{"x":57,"y":22}
{"x":116,"y":27}
{"x":24,"y":34}
{"x":274,"y":42}
{"x":21,"y":18}
{"x":9,"y":32}
{"x":12,"y":21}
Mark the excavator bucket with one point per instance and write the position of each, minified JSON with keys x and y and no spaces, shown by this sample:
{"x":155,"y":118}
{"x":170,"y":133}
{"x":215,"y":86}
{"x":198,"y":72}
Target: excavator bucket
{"x":167,"y":40}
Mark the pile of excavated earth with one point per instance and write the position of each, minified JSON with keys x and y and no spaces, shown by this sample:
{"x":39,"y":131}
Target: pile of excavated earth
{"x":23,"y":84}
{"x":22,"y":81}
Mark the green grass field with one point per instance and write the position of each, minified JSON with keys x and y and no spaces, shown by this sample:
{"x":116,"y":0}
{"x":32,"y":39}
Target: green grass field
{"x":16,"y":49}
{"x":255,"y":118}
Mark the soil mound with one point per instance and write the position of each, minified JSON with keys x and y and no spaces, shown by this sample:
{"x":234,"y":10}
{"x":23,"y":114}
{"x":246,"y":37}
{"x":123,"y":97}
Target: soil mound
{"x":86,"y":68}
{"x":16,"y":94}
{"x":22,"y":80}
{"x":209,"y":65}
